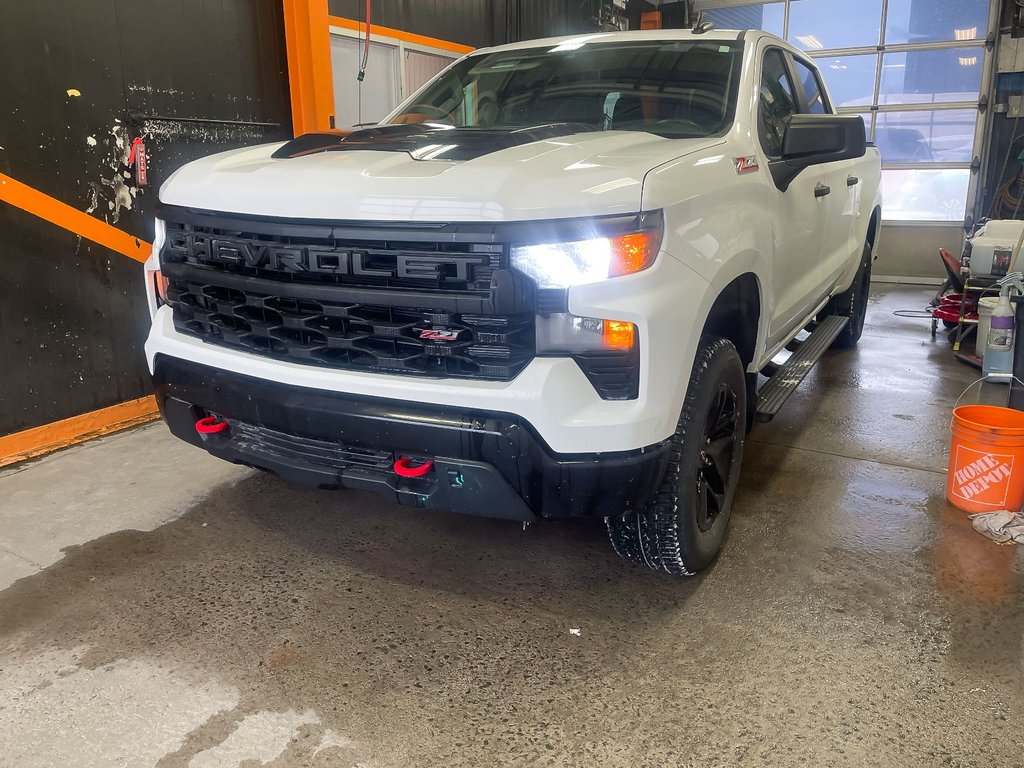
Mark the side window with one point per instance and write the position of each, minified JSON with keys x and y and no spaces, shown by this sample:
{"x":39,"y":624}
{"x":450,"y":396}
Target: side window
{"x":776,"y":103}
{"x":813,"y":92}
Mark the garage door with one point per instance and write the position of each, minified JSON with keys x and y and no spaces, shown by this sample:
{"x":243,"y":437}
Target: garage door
{"x":914,"y":69}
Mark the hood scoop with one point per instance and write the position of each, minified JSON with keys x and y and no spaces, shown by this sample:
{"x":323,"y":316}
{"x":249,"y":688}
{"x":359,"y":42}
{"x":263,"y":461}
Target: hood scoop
{"x":427,"y":141}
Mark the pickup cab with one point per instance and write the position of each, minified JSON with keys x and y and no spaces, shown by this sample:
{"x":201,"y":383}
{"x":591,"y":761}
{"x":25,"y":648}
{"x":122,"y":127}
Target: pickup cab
{"x":548,"y":285}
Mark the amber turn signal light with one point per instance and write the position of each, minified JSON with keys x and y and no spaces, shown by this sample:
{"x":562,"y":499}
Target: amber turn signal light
{"x":634,"y":252}
{"x":619,"y":334}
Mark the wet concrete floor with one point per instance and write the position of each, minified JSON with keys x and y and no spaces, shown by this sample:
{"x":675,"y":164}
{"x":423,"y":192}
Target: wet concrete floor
{"x":160,"y":608}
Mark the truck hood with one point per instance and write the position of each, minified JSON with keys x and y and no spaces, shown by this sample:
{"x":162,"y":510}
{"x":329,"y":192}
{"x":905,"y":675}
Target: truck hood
{"x":581,"y":173}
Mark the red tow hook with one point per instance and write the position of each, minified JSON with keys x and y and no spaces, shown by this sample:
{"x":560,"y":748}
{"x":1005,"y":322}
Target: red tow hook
{"x":404,"y":467}
{"x":211,"y":425}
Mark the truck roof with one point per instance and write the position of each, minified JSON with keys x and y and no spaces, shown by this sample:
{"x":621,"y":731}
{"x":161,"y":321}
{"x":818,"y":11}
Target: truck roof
{"x":646,"y":34}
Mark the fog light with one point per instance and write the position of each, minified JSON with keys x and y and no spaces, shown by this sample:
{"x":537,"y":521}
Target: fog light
{"x":562,"y":333}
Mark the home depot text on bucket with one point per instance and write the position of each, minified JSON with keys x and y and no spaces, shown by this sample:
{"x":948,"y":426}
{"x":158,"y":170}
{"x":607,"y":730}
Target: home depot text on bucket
{"x":972,"y":481}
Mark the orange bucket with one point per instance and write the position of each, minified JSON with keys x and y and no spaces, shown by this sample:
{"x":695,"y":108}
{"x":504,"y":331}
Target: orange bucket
{"x":986,"y":459}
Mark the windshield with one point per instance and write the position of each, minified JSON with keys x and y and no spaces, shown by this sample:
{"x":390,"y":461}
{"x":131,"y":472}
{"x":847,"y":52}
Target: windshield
{"x":674,"y":89}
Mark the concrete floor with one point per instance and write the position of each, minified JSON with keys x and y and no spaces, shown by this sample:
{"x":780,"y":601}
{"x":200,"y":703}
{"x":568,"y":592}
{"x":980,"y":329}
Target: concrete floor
{"x":160,"y":608}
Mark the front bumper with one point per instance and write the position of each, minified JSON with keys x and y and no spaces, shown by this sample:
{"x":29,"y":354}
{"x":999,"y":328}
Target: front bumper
{"x":487,"y":464}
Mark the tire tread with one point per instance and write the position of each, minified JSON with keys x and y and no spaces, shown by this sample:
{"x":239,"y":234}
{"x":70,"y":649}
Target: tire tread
{"x":652,"y":536}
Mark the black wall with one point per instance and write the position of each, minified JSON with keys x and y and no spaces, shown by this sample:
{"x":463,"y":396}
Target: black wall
{"x":470,"y":22}
{"x":478,"y":23}
{"x":549,"y":18}
{"x":72,"y":314}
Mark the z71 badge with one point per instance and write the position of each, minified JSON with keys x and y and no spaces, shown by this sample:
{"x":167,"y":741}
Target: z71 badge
{"x":747,"y":164}
{"x":439,"y":334}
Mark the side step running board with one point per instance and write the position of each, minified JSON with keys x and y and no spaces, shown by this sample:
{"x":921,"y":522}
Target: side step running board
{"x":773,"y":395}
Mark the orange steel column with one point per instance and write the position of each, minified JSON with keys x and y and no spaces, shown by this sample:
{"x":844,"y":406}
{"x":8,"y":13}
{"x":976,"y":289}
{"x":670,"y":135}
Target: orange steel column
{"x":310,"y":79}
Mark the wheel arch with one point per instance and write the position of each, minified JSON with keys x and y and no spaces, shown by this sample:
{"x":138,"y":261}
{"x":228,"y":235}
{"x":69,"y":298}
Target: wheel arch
{"x":737,"y":315}
{"x":874,"y":227}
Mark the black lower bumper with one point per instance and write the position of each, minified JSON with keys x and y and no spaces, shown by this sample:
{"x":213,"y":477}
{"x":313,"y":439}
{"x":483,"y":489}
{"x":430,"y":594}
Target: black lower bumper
{"x":487,"y":464}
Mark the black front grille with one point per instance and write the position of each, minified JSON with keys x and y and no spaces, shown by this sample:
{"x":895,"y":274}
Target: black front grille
{"x":311,"y":254}
{"x":350,"y":335}
{"x":434,"y":300}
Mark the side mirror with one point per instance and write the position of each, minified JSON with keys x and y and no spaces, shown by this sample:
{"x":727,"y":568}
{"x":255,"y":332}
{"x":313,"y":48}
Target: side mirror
{"x":816,"y":139}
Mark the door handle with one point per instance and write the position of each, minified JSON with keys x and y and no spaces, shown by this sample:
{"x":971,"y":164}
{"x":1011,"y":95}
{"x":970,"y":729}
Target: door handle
{"x":820,"y":190}
{"x":852,"y":181}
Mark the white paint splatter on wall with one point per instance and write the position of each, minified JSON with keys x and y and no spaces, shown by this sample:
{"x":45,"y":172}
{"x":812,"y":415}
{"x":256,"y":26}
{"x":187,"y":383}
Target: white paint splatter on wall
{"x":116,"y":191}
{"x":94,"y":201}
{"x":136,"y":88}
{"x":117,"y":194}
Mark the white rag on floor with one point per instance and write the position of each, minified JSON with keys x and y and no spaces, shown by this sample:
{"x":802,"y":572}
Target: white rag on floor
{"x":1000,"y":526}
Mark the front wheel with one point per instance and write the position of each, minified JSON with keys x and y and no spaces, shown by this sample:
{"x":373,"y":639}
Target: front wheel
{"x":682,"y":528}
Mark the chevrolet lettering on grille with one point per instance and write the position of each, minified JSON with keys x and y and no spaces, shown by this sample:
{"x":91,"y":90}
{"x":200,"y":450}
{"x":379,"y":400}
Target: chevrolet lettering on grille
{"x":188,"y":248}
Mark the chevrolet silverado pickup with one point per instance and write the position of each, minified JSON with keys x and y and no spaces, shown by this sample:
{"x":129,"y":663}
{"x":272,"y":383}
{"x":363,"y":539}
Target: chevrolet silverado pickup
{"x":560,"y":280}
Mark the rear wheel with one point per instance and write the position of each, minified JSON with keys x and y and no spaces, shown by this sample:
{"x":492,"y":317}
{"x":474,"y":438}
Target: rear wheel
{"x":853,"y":303}
{"x":681,"y":530}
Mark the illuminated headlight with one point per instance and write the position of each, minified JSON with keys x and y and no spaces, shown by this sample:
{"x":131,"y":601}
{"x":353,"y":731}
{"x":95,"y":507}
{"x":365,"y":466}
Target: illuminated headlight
{"x":564,"y":265}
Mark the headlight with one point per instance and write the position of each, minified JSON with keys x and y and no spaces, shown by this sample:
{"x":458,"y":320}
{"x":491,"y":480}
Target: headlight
{"x":563,"y":265}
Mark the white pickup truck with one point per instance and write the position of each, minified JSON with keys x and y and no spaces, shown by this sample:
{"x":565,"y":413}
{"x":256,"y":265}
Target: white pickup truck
{"x":544,"y":287}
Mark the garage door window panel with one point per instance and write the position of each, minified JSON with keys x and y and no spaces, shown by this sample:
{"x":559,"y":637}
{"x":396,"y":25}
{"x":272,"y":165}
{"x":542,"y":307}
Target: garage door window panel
{"x":816,"y":25}
{"x":771,"y":17}
{"x":947,"y":75}
{"x":914,"y":21}
{"x":850,"y":79}
{"x":919,"y":194}
{"x":932,"y":136}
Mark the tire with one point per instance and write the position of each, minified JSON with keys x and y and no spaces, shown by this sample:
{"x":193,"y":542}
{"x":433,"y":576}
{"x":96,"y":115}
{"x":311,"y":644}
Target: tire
{"x":681,"y":530}
{"x":852,"y":303}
